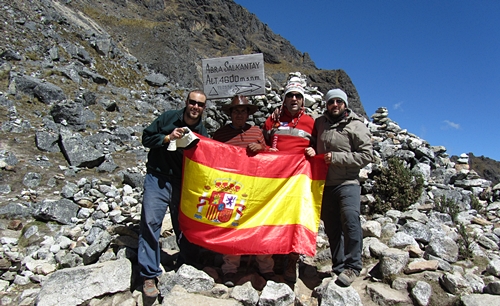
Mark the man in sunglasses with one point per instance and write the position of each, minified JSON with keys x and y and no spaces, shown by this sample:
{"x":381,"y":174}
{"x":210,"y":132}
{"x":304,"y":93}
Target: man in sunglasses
{"x":344,"y":139}
{"x":162,"y":185}
{"x":289,"y":129}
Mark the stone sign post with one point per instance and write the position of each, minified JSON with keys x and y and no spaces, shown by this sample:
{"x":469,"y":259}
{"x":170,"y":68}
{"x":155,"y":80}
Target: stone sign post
{"x":224,"y":77}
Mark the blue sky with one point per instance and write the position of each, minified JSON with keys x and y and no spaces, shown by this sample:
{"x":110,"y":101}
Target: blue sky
{"x":434,"y":64}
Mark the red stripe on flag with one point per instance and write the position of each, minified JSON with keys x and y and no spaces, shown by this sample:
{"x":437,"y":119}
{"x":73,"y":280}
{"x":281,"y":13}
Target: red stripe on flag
{"x":234,"y":159}
{"x":283,"y":239}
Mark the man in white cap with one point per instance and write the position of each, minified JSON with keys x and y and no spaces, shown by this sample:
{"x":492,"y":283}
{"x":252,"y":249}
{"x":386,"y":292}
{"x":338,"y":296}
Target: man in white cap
{"x":290,"y":130}
{"x":345,"y":141}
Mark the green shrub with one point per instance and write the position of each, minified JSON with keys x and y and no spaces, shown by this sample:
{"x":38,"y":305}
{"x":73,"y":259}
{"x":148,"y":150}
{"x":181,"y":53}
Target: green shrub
{"x":447,"y":206}
{"x":464,"y":242}
{"x":450,"y":207}
{"x":476,"y":205}
{"x":397,"y":187}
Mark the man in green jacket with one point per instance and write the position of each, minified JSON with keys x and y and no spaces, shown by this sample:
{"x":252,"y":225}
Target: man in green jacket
{"x":162,"y":184}
{"x":345,"y":141}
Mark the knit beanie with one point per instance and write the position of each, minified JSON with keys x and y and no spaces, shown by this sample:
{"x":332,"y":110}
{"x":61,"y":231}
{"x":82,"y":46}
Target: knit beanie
{"x":337,"y":93}
{"x":294,"y":86}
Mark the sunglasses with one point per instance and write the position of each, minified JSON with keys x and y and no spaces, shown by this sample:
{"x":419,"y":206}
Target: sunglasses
{"x":193,"y":103}
{"x":333,"y":101}
{"x":296,"y":95}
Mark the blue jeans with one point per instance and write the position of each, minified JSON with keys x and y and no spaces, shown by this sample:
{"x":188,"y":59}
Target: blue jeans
{"x":160,"y":192}
{"x":340,"y":212}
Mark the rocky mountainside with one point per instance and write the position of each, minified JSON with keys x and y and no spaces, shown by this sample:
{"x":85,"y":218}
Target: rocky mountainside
{"x":78,"y":85}
{"x":173,"y":36}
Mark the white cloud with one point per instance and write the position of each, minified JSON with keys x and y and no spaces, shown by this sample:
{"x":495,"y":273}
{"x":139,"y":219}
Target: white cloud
{"x":452,"y":124}
{"x":398,"y":106}
{"x":423,"y":131}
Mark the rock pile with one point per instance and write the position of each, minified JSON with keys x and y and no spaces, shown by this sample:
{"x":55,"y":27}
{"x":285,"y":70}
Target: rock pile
{"x":72,"y":167}
{"x":94,"y":235}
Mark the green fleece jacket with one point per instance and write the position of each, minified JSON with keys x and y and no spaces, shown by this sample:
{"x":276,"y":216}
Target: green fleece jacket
{"x":160,"y":160}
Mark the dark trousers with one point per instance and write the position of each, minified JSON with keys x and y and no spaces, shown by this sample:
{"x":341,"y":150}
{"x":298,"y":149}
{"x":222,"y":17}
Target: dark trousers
{"x":160,"y":193}
{"x":340,"y":213}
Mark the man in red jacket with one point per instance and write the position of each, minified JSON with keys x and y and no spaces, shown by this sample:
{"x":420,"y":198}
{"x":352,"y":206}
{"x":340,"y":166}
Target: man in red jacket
{"x":290,"y":130}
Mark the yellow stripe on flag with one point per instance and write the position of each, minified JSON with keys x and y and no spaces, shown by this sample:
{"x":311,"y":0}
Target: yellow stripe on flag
{"x":233,"y":202}
{"x":264,"y":201}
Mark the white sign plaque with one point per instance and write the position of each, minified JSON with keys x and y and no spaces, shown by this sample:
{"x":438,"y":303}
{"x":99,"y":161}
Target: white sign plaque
{"x":224,"y":77}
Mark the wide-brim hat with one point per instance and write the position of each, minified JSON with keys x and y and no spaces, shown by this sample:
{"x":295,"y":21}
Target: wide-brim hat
{"x":239,"y":101}
{"x":187,"y":141}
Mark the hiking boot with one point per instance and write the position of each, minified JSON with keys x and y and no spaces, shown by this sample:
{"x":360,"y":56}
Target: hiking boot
{"x":229,"y":279}
{"x":290,"y":274}
{"x":347,"y":277}
{"x":149,"y":288}
{"x":271,"y":276}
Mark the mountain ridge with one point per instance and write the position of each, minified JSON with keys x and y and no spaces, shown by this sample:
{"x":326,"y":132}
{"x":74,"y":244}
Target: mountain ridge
{"x":220,"y":22}
{"x":486,"y":167}
{"x":187,"y":31}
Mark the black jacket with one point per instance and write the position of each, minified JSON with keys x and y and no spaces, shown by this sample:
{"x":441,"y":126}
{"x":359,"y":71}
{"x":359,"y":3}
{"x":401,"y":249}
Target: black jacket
{"x":160,"y":160}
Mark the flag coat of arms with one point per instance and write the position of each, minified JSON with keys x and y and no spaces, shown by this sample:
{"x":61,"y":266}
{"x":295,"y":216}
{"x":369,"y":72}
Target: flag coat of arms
{"x":233,"y":202}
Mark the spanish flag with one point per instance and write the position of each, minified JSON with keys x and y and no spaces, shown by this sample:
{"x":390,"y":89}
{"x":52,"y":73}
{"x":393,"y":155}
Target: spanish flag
{"x":233,"y":202}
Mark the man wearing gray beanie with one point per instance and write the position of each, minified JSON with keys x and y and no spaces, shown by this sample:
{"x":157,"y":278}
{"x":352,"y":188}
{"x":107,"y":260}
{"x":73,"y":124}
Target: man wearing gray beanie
{"x":345,"y":141}
{"x":337,"y":93}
